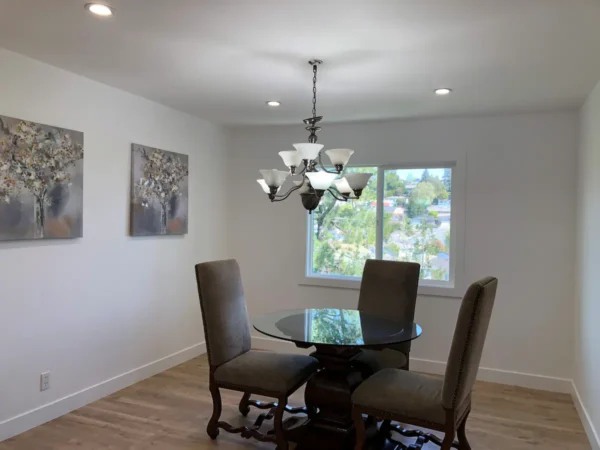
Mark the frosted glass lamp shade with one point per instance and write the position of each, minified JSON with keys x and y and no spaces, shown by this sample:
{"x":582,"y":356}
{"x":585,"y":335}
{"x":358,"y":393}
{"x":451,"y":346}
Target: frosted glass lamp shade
{"x":308,"y":151}
{"x":304,"y":189}
{"x":291,"y":158}
{"x":342,"y":186}
{"x":264,"y":186}
{"x":274,"y":177}
{"x":358,"y":181}
{"x":339,"y":156}
{"x":321,"y":180}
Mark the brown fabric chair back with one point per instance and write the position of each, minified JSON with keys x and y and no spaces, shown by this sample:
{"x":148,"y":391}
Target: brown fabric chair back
{"x":469,"y":339}
{"x":224,"y":312}
{"x":389,"y":289}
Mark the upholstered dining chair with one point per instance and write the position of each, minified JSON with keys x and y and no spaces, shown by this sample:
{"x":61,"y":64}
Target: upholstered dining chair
{"x":389,"y":289}
{"x":233,"y":365}
{"x":441,"y":404}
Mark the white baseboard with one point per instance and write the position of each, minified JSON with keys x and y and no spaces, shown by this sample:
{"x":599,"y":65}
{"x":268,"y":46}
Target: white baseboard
{"x":513,"y":378}
{"x":526,"y":380}
{"x":591,"y":432}
{"x":31,"y":419}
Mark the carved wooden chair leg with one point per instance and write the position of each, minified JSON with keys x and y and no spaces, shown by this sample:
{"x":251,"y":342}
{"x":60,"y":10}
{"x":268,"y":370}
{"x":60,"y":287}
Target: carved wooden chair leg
{"x":244,"y":404}
{"x":448,"y":441}
{"x":282,"y":443}
{"x":385,"y":427}
{"x":462,"y":436}
{"x":212,"y":429}
{"x":384,"y":431}
{"x":371,"y":423}
{"x":361,"y":432}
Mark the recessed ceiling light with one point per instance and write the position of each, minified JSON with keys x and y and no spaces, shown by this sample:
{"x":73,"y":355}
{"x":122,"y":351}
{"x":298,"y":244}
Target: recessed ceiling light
{"x":274,"y":103}
{"x":442,"y":91}
{"x":99,"y":9}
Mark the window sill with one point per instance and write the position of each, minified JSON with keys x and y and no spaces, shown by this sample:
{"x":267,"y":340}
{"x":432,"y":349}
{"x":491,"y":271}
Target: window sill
{"x":354,"y":284}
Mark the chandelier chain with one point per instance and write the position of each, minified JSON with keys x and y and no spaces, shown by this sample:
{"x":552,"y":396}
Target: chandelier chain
{"x":314,"y":101}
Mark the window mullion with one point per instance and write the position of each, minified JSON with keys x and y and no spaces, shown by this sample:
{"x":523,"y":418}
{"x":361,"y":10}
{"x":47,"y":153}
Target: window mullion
{"x":379,"y":214}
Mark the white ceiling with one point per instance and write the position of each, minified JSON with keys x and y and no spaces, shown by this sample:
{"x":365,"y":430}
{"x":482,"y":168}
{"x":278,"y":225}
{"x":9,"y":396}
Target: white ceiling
{"x":222,"y":59}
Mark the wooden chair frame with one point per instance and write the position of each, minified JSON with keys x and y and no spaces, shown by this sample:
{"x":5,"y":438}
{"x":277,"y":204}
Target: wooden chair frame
{"x":454,"y":426}
{"x":276,"y":410}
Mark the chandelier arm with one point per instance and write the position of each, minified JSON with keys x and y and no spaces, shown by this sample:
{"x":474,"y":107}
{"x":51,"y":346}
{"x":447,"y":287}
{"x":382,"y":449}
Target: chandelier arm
{"x":304,"y":167}
{"x":282,"y":197}
{"x":302,"y":171}
{"x":332,"y":192}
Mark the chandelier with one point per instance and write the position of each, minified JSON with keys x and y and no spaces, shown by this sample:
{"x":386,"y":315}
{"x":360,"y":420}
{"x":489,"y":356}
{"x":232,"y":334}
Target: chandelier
{"x":303,"y":162}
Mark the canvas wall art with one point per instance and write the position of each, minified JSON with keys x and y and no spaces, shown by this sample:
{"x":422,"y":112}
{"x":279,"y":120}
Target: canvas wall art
{"x":159,"y":193}
{"x":41,"y":181}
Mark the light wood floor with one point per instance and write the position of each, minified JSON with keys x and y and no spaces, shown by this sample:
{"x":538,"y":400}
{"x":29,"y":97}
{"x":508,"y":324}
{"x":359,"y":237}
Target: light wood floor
{"x":169,"y":411}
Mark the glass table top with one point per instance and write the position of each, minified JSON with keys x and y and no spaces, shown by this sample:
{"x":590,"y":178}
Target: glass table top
{"x":339,"y":327}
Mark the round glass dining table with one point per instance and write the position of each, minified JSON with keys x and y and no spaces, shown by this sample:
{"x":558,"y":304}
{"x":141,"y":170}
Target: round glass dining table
{"x":338,"y":336}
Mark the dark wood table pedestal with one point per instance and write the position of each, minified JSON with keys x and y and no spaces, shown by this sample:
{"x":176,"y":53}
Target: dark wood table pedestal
{"x":338,"y":336}
{"x":328,"y":396}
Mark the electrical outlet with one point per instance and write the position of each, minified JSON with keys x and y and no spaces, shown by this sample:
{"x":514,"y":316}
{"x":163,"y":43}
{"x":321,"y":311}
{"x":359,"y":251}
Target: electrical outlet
{"x":44,"y":381}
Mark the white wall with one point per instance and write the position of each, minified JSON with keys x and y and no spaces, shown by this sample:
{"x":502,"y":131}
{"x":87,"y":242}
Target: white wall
{"x":94,"y":308}
{"x":587,"y":330}
{"x":520,"y":227}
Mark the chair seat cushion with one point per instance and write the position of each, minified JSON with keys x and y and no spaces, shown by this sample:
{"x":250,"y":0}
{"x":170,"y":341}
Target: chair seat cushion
{"x":268,"y":373}
{"x":405,"y":394}
{"x":376,"y":360}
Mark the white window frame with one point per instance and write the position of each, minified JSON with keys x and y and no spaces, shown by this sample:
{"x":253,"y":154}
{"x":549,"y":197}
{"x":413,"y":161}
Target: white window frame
{"x":452,"y":288}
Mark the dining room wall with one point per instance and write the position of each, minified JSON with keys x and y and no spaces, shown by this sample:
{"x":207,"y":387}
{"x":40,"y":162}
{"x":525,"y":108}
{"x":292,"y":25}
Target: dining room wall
{"x":587,"y":331}
{"x":519,"y":227}
{"x":101,"y":312}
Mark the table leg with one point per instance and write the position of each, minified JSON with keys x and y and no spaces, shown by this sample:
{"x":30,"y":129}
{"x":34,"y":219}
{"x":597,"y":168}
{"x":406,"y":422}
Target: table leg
{"x":330,"y":392}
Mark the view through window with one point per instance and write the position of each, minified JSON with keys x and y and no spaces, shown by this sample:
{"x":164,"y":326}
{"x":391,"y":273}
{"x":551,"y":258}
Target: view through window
{"x":415,"y":223}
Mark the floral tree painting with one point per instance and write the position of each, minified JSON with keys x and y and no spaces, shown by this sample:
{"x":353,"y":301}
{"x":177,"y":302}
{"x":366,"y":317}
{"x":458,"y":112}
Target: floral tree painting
{"x":41,"y":181}
{"x":159,"y":197}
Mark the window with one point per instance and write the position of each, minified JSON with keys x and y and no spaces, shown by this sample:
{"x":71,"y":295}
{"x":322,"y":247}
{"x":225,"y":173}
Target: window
{"x":404,"y":214}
